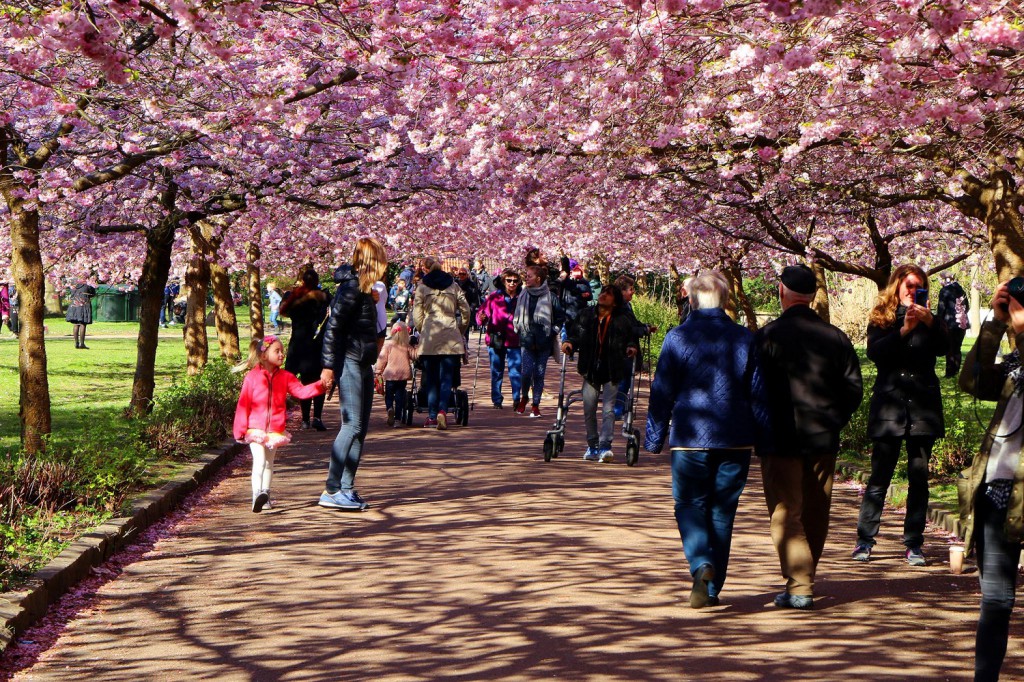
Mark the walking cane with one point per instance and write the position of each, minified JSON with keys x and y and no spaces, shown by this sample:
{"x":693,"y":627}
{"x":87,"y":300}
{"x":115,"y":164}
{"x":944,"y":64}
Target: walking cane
{"x":476,"y":366}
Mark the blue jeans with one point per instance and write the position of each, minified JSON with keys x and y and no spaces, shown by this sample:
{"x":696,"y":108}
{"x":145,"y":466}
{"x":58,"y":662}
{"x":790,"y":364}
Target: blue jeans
{"x":394,"y":395}
{"x":535,"y":365}
{"x":706,"y":485}
{"x":599,"y":439}
{"x":438,"y":374}
{"x":997,"y":567}
{"x":273,"y":318}
{"x":355,"y":394}
{"x":514,"y":359}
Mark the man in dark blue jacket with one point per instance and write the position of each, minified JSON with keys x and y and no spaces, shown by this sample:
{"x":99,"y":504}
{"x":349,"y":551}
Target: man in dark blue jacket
{"x":707,"y":385}
{"x":813,"y":379}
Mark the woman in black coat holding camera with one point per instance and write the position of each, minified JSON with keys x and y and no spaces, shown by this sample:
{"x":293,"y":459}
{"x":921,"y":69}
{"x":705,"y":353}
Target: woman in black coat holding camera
{"x":904,"y":339}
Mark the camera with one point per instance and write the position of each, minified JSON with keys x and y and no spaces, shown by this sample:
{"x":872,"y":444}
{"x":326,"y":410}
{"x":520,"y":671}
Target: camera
{"x":1015,"y":288}
{"x":921,"y":297}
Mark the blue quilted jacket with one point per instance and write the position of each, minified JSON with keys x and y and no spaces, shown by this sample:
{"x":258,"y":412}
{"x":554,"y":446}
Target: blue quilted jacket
{"x":707,"y":386}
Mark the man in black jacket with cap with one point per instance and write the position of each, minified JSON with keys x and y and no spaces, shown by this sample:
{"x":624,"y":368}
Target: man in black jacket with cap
{"x":813,"y":380}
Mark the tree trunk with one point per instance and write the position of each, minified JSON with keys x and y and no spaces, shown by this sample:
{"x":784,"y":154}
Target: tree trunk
{"x":252,"y":260}
{"x":1006,"y":233}
{"x":224,"y":313}
{"x":820,"y":302}
{"x":155,"y":269}
{"x":27,"y":267}
{"x":735,"y":276}
{"x":197,"y":279}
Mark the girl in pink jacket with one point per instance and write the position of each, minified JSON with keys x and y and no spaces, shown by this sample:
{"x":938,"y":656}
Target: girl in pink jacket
{"x":260,"y":415}
{"x":394,"y":365}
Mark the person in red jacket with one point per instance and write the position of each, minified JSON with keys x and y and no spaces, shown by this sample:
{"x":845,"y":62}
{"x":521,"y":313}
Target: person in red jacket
{"x":260,"y":415}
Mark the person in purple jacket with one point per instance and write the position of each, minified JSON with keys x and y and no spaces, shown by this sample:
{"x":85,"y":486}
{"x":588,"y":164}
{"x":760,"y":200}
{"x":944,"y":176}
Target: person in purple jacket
{"x":709,"y":389}
{"x":497,"y":315}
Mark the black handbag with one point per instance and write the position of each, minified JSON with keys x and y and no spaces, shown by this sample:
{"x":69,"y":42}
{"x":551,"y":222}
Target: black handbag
{"x":496,"y":339}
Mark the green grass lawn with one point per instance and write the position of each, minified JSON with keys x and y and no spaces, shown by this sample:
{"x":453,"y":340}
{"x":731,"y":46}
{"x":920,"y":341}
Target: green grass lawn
{"x":92,"y":386}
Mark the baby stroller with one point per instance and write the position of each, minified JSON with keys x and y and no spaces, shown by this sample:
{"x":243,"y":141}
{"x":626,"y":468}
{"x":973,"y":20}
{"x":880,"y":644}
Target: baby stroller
{"x":554,"y":441}
{"x":417,"y":399}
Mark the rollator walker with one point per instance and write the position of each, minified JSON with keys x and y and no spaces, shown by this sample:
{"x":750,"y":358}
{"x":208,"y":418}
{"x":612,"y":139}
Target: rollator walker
{"x":554,"y":440}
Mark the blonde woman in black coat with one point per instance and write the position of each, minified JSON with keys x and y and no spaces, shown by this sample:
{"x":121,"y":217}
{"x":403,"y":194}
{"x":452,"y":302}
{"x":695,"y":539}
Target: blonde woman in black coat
{"x":904,"y":340}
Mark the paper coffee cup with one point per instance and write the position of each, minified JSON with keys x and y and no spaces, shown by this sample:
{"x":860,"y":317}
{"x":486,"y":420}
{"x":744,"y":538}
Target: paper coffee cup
{"x":956,"y":559}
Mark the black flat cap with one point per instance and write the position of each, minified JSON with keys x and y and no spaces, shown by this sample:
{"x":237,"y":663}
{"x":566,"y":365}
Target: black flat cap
{"x":799,"y":279}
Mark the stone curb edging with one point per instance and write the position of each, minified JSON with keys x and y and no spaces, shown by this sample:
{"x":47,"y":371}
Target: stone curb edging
{"x":21,"y":609}
{"x":940,"y":515}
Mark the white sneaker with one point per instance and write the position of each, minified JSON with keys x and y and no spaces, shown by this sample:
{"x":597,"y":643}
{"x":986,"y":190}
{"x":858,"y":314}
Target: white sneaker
{"x":605,"y":455}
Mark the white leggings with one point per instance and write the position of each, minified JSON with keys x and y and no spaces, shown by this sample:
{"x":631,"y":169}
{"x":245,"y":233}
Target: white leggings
{"x":262,"y":467}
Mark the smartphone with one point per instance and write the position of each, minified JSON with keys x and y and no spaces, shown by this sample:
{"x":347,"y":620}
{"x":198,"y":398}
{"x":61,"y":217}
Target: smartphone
{"x":921,"y":297}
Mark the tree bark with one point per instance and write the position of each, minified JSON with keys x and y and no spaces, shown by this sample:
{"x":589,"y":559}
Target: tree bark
{"x":820,"y":302}
{"x":734,"y":274}
{"x":224,"y":313}
{"x":252,"y":262}
{"x":155,"y":269}
{"x":27,"y":267}
{"x":197,"y":279}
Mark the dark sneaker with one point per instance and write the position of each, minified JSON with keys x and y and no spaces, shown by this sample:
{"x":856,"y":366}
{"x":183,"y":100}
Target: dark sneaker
{"x":521,"y":406}
{"x":260,"y":501}
{"x":785,"y":600}
{"x":497,"y":406}
{"x":861,"y":553}
{"x":356,"y":498}
{"x":429,"y":423}
{"x":535,"y":411}
{"x":699,"y":594}
{"x":318,"y":425}
{"x":915,"y":557}
{"x":713,"y":601}
{"x":306,"y":425}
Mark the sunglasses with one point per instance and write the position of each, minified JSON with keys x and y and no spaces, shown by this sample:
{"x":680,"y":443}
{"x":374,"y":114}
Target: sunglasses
{"x":512,"y":280}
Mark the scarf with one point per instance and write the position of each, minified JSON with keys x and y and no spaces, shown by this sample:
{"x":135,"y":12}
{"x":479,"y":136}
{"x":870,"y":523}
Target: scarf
{"x":542,"y":313}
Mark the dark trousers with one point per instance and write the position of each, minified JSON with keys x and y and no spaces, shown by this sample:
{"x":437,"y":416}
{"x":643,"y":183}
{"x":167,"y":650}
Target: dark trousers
{"x":799,"y":495}
{"x":997,"y":568}
{"x":954,"y":356}
{"x":395,"y":394}
{"x":12,"y":322}
{"x":317,"y":403}
{"x":884,"y":456}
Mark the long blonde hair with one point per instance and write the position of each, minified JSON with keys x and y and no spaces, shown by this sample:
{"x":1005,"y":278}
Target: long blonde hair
{"x":370,"y":262}
{"x":257,"y":347}
{"x":884,"y":313}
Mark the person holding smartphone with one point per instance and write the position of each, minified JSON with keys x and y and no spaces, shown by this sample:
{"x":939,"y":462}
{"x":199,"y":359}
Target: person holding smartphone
{"x":993,"y":487}
{"x":904,"y":340}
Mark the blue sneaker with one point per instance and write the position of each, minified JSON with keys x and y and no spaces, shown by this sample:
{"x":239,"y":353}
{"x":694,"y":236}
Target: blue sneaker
{"x":605,"y":455}
{"x":340,"y":500}
{"x":590,"y":455}
{"x":355,"y":497}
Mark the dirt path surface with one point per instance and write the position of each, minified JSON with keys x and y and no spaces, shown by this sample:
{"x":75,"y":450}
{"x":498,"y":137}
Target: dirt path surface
{"x":479,"y":561}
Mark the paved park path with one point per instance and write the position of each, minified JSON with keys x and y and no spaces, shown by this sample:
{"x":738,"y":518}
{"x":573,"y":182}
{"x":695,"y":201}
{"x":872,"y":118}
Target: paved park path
{"x":479,"y":561}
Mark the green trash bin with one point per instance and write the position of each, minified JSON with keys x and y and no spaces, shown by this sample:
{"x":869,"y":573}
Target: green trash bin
{"x":110,"y":304}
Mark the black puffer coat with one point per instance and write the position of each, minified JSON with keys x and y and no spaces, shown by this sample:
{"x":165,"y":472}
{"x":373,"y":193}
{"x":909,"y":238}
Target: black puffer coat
{"x":906,"y":400}
{"x":352,"y":330}
{"x":304,"y":348}
{"x":583,"y":337}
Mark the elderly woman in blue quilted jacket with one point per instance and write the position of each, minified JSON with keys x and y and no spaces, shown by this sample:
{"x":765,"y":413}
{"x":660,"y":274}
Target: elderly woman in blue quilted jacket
{"x":706,"y":385}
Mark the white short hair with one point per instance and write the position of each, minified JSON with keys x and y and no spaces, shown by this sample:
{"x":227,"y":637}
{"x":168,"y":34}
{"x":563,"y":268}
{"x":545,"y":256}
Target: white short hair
{"x":708,"y":290}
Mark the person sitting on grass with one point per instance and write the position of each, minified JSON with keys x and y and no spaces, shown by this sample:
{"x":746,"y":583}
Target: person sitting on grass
{"x":603,"y":337}
{"x":261,"y":411}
